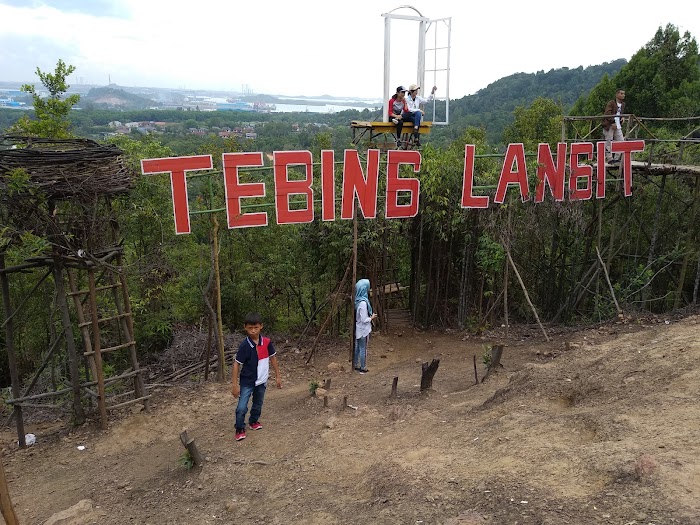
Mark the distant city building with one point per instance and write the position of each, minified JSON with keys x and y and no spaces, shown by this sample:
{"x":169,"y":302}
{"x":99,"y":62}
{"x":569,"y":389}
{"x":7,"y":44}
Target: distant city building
{"x":10,"y":103}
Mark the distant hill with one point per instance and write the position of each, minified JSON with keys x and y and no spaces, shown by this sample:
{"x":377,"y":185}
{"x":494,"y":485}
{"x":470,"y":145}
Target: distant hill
{"x":115,"y":98}
{"x":492,"y":107}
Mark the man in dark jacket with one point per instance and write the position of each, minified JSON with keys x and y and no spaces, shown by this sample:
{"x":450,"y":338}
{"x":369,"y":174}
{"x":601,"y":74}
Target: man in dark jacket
{"x":612,"y":124}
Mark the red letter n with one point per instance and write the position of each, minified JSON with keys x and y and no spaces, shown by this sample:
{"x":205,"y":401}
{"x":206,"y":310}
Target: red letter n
{"x":548,"y":173}
{"x":355,"y":183}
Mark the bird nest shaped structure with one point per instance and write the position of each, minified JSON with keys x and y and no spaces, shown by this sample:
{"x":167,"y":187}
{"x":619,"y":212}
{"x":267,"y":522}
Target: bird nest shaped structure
{"x":66,"y":168}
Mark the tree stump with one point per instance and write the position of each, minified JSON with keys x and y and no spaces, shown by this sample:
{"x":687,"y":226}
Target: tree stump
{"x":191,"y":447}
{"x":496,"y":353}
{"x":426,"y":378}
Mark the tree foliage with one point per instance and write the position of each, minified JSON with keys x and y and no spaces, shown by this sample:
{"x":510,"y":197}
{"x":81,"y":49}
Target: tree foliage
{"x":52,"y":112}
{"x":662,"y":79}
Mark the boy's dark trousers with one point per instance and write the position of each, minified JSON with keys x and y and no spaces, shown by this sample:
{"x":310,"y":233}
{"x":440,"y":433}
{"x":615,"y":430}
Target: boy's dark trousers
{"x":258,"y":395}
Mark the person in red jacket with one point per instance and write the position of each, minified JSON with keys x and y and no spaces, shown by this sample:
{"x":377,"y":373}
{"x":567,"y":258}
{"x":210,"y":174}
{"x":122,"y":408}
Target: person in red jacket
{"x":397,"y":107}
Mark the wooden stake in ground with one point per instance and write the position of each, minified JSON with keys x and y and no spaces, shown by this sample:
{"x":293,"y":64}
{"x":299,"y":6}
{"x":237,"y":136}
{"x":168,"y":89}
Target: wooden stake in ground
{"x":8,"y":511}
{"x":527,"y":296}
{"x":221,"y":371}
{"x":428,"y":371}
{"x":394,"y":386}
{"x":476,"y":374}
{"x":607,"y":280}
{"x":191,"y":447}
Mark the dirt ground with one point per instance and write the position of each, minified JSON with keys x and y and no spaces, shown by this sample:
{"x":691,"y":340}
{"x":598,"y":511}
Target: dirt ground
{"x":597,"y":426}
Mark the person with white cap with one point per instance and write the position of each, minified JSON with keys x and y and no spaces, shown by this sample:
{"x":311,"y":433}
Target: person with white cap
{"x":415,"y":113}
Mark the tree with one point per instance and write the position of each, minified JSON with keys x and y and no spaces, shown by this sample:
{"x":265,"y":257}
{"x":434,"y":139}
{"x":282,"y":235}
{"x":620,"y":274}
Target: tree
{"x":52,"y":112}
{"x":658,"y":77}
{"x":540,"y":122}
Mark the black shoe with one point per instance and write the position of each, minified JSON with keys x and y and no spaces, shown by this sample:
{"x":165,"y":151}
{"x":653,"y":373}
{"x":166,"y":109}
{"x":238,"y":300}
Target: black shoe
{"x":363,"y":371}
{"x":356,"y":368}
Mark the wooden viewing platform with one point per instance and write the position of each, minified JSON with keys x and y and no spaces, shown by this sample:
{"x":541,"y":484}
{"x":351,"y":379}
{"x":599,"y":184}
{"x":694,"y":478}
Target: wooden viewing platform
{"x":660,"y":169}
{"x":374,"y":130}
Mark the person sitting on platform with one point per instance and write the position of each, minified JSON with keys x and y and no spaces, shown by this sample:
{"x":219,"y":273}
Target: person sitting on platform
{"x":415,"y":113}
{"x":397,"y":108}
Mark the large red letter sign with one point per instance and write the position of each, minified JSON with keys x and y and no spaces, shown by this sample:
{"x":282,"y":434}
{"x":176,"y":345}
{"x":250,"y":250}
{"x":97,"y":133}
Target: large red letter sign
{"x":547,"y":173}
{"x":514,"y":153}
{"x":394,"y":184}
{"x":600,"y":170}
{"x":284,"y":187}
{"x":235,"y":190}
{"x":328,"y":185}
{"x":354,"y":183}
{"x":626,"y":147}
{"x":581,"y":171}
{"x":177,"y":166}
{"x":469,"y":200}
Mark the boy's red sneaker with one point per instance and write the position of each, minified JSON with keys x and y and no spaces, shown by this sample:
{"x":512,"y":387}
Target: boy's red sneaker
{"x":240,"y":434}
{"x":256,"y":426}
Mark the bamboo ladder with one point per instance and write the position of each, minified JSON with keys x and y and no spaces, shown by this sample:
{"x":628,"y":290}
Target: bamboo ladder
{"x":90,"y":318}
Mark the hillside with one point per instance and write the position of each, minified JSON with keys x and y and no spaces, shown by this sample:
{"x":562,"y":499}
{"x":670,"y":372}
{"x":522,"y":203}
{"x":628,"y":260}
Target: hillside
{"x":492,"y":107}
{"x":111,"y":97}
{"x":598,"y":426}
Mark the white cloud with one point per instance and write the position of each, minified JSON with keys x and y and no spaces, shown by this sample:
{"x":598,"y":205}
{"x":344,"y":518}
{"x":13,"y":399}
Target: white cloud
{"x":312,"y":48}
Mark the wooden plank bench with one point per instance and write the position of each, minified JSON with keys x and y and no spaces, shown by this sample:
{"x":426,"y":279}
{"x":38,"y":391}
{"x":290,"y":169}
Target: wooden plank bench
{"x":375,"y":130}
{"x":389,"y":127}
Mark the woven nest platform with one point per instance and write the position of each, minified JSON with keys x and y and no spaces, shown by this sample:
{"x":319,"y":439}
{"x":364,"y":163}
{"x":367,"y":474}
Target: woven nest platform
{"x":66,"y":168}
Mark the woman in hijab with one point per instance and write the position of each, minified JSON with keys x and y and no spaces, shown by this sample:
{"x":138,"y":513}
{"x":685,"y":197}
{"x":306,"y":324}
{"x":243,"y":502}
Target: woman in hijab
{"x":363,"y":325}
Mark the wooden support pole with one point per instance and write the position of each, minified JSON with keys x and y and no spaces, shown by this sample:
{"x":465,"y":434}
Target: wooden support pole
{"x":394,"y":386}
{"x":428,"y":372}
{"x":73,"y":359}
{"x":352,"y":285}
{"x":8,"y":511}
{"x":607,"y":280}
{"x":191,"y":447}
{"x":210,"y":335}
{"x":476,"y":374}
{"x":10,"y":347}
{"x":221,"y":370}
{"x":527,"y":296}
{"x":325,"y":401}
{"x":101,"y":404}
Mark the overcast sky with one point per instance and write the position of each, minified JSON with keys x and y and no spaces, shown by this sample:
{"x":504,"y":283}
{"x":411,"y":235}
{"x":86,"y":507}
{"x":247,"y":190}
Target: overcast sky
{"x":314,"y":48}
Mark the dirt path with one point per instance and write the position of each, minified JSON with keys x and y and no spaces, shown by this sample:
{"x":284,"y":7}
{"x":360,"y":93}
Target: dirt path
{"x":604,"y":432}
